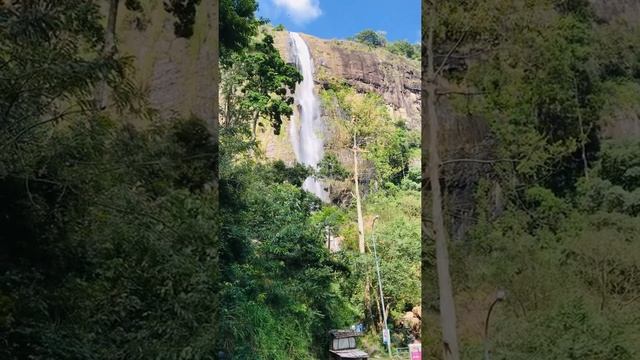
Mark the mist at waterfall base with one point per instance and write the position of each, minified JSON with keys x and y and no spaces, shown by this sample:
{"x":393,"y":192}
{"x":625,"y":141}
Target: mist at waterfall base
{"x":307,"y":128}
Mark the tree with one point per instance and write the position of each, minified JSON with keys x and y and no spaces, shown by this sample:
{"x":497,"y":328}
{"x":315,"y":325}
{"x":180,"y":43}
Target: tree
{"x":105,"y":229}
{"x":445,"y":287}
{"x":542,"y":89}
{"x":237,"y":25}
{"x":278,"y":276}
{"x":330,"y":168}
{"x":371,"y":38}
{"x":366,"y":121}
{"x":38,"y":88}
{"x":542,"y":67}
{"x":405,"y":48}
{"x":397,"y":235}
{"x":258,"y":83}
{"x":391,"y":153}
{"x":185,"y":14}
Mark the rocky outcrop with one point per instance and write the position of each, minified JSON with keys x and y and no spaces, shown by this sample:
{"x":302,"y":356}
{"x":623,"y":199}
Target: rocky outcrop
{"x":623,"y":122}
{"x":178,"y":74}
{"x":610,"y":10}
{"x":625,"y":126}
{"x":395,"y":78}
{"x":462,"y":138}
{"x":412,"y":321}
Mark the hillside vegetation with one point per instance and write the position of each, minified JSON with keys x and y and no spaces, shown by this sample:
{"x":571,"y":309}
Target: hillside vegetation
{"x":281,"y":277}
{"x":109,"y":243}
{"x":555,"y":208}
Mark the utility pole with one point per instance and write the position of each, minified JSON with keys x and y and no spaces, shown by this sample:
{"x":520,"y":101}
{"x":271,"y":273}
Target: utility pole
{"x":384,"y":309}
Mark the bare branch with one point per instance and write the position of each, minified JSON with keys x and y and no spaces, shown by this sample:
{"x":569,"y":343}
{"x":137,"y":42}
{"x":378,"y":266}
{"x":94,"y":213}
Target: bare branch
{"x":138,"y":214}
{"x":446,"y":58}
{"x":43,"y":122}
{"x":463,"y":93}
{"x":105,"y":205}
{"x":634,"y":299}
{"x":467,"y":55}
{"x":480,"y":161}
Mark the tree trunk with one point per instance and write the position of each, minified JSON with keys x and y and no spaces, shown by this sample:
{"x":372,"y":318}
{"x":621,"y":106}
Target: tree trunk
{"x":254,"y":126}
{"x":583,"y":137}
{"x":206,"y":106}
{"x":228,"y":116}
{"x":603,"y":286}
{"x":361,"y":243}
{"x":102,"y":89}
{"x":356,"y":181}
{"x":447,"y":305}
{"x":368,"y":309}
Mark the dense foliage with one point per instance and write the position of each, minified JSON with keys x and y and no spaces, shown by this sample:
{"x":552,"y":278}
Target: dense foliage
{"x":280,"y":283}
{"x":262,"y":78}
{"x":279,"y":276}
{"x":405,"y":48}
{"x":371,"y":38}
{"x":378,"y":39}
{"x":555,"y":214}
{"x":391,"y":177}
{"x":108,"y":233}
{"x":112,"y":244}
{"x":386,"y":142}
{"x":237,"y":25}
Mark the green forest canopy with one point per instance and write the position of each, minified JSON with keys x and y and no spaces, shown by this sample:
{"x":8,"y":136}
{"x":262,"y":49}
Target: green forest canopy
{"x":113,"y":245}
{"x":554,"y":218}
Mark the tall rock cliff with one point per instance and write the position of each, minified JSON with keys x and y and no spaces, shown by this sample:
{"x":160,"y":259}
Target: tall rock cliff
{"x":395,"y":78}
{"x":179,"y":74}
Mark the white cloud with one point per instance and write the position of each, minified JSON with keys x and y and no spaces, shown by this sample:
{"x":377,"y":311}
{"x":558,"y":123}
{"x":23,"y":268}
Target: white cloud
{"x":301,"y":11}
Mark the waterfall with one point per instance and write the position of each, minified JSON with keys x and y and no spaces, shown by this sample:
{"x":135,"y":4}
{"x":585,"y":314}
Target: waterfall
{"x":307,"y":129}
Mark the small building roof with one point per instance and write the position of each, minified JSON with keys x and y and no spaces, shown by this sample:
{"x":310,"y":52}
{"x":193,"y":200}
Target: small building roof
{"x":339,"y":334}
{"x":351,"y":354}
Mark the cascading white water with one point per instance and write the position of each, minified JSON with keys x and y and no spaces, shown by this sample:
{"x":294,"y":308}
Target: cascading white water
{"x":307,"y":136}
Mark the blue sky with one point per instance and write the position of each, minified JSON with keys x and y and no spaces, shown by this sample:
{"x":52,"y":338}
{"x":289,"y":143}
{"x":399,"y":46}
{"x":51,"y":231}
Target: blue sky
{"x":400,"y":19}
